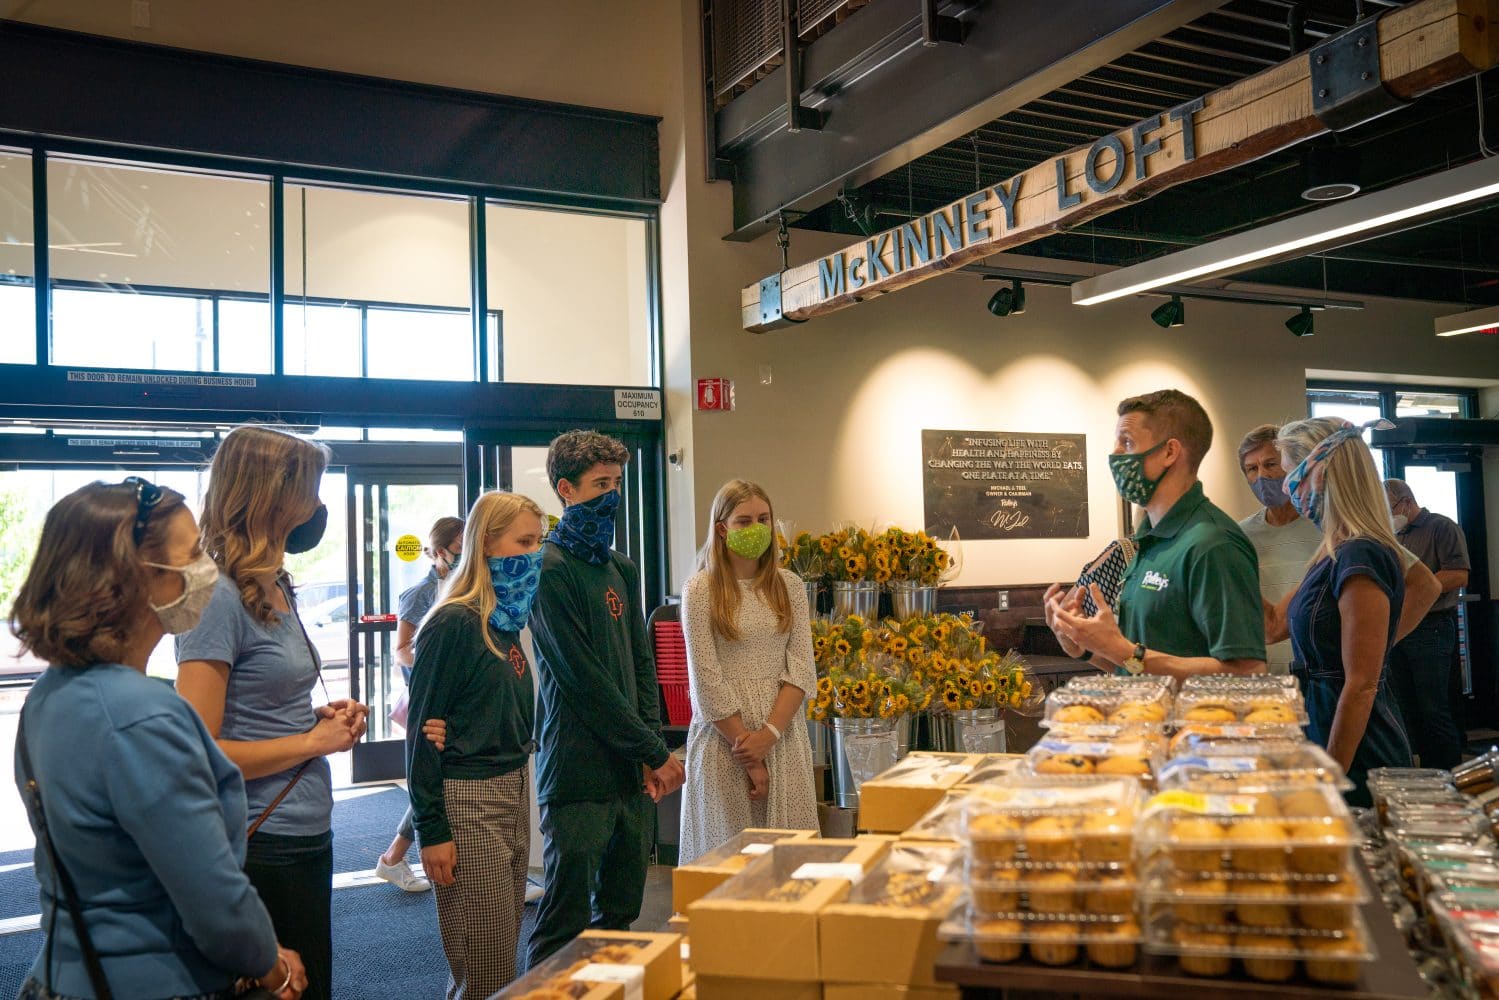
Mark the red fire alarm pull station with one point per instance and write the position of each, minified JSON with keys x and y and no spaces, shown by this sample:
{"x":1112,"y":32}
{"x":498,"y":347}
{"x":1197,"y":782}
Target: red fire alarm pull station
{"x":715,"y":394}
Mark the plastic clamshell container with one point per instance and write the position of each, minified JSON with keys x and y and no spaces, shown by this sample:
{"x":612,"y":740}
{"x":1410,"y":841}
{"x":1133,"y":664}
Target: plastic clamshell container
{"x":1472,"y":935}
{"x":1442,"y":823}
{"x":1262,"y":705}
{"x":1038,"y":821}
{"x":1307,"y":831}
{"x":1111,"y":683}
{"x":1256,"y":683}
{"x":596,"y":964}
{"x":1274,"y":954}
{"x":1116,"y":706}
{"x":1133,"y":756}
{"x":1189,"y":734}
{"x":1408,"y":777}
{"x":1227,"y":765}
{"x":886,"y":929}
{"x":1108,"y":940}
{"x":1056,"y":888}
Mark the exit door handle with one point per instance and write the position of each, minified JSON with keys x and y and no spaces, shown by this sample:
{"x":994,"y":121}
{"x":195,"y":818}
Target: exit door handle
{"x":375,"y":619}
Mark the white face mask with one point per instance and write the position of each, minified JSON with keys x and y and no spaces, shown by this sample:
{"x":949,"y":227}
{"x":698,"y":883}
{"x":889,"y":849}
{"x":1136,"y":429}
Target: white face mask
{"x":198,"y":578}
{"x":1399,"y":520}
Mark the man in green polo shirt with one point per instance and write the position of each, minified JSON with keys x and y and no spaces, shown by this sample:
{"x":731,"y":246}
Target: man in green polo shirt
{"x":1190,"y":601}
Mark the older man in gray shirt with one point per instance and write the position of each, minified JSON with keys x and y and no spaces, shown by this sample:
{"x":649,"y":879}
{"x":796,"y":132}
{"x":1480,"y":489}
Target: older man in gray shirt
{"x":1423,"y":665}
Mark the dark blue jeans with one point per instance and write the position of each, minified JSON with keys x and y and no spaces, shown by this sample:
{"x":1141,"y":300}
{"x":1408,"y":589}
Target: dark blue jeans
{"x":1421,"y":674}
{"x":1384,"y":743}
{"x":294,"y":876}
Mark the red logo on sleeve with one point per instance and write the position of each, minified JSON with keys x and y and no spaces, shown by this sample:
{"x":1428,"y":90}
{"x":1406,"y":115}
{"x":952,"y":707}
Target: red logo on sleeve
{"x":615,"y":602}
{"x":517,"y":661}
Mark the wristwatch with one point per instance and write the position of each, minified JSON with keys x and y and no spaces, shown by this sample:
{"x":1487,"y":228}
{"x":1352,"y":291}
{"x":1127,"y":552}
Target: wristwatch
{"x":1135,"y":662}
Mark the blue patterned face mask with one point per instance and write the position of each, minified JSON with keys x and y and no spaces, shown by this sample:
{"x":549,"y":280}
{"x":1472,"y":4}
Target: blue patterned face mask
{"x":587,"y":529}
{"x":515,"y":579}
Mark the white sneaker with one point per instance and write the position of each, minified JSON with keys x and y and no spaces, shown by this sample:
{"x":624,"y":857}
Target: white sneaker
{"x":401,"y":876}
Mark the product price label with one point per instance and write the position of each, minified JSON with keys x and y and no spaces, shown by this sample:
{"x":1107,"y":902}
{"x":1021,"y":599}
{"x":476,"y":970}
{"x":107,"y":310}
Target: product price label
{"x":632,"y":977}
{"x":845,"y":870}
{"x":757,"y":848}
{"x":1206,"y":805}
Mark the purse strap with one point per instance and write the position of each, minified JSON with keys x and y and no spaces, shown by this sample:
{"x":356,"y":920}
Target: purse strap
{"x":317,"y":666}
{"x":33,"y":796}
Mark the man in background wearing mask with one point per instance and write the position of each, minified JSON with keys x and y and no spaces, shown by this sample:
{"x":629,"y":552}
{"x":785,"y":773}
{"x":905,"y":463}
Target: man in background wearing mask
{"x":601,"y":764}
{"x":1190,"y":602}
{"x":1284,"y":540}
{"x":1423,"y":665}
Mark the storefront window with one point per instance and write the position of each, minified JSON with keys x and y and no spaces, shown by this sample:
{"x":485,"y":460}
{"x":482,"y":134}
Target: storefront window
{"x":1413,"y":403}
{"x":17,"y":261}
{"x":1352,"y":405}
{"x":138,"y":255}
{"x":573,"y":290}
{"x":405,"y":256}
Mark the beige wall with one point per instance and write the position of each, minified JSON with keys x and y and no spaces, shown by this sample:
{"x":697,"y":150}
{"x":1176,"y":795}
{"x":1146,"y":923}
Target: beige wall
{"x":835,"y":436}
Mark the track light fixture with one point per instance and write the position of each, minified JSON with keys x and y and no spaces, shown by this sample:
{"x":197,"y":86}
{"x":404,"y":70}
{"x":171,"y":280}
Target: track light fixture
{"x":1008,"y":301}
{"x":1169,"y":314}
{"x":1301,"y":324}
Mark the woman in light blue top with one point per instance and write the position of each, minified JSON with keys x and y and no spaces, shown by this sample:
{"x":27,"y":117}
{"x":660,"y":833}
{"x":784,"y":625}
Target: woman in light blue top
{"x":250,"y":671}
{"x":126,"y":773}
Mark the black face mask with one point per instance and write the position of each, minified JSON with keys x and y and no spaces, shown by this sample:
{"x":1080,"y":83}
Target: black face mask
{"x":306,"y":536}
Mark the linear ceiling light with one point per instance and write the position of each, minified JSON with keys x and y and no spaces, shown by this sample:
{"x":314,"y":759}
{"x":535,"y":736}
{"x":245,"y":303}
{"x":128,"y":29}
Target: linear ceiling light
{"x":1346,"y":222}
{"x":1474,"y":321}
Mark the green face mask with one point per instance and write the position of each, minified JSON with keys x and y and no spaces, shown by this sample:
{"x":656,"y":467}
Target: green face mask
{"x":1130,"y":478}
{"x":750,"y":542}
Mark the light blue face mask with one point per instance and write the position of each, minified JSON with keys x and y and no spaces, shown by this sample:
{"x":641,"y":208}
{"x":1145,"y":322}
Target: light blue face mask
{"x":515,"y":580}
{"x":1308,"y":505}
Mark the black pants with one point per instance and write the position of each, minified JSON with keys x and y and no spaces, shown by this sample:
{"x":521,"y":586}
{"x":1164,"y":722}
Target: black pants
{"x":596,"y":855}
{"x":294,"y":876}
{"x":1422,"y":670}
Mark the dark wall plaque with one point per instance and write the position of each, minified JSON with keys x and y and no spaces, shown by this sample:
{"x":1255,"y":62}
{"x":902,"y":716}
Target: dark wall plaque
{"x":995,"y":484}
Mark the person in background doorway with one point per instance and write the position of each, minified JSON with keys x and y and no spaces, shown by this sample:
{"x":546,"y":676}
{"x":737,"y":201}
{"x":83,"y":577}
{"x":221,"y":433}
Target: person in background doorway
{"x":472,"y":800}
{"x":1344,"y":615}
{"x":444,"y":546}
{"x":601,"y":763}
{"x":1189,"y":603}
{"x":749,"y":661}
{"x":1424,"y":666}
{"x":127,"y":774}
{"x":249,"y":670}
{"x":1287,"y":543}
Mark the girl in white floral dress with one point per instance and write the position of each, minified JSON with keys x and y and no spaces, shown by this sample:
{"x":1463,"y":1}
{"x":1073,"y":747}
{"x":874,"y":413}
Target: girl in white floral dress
{"x":749,"y":664}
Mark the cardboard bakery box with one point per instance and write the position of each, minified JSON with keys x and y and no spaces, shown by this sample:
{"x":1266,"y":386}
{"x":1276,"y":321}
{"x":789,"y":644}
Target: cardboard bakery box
{"x":883,"y":991}
{"x":724,"y":988}
{"x":893,"y":800}
{"x":992,"y":766}
{"x":762,"y":923}
{"x":693,"y":881}
{"x":885,"y":930}
{"x":677,"y":924}
{"x":615,"y":965}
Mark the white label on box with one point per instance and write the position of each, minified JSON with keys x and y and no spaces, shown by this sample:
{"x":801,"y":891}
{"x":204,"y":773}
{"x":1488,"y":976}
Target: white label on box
{"x":757,"y":848}
{"x":632,"y":976}
{"x":637,"y":404}
{"x":686,"y":952}
{"x":937,"y":874}
{"x":846,"y":870}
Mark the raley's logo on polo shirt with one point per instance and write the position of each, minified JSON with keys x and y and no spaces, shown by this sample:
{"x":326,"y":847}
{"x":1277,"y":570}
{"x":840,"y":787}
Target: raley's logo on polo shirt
{"x":517,"y":661}
{"x":1155,"y":581}
{"x":615,"y":603}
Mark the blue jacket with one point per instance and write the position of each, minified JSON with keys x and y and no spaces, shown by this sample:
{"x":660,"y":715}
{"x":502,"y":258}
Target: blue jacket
{"x":149,"y":818}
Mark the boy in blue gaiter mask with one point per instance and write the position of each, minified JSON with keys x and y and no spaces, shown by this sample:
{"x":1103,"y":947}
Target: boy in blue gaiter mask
{"x":601,"y":765}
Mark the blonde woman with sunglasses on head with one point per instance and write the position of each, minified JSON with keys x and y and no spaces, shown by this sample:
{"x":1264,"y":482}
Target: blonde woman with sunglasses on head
{"x":250,"y":671}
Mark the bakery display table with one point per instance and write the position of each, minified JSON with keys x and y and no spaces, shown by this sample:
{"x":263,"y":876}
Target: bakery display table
{"x":1392,"y":976}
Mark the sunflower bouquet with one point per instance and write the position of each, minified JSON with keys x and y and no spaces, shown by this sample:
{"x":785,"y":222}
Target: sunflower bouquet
{"x":867,"y":686}
{"x":801,"y":552}
{"x":851,"y":555}
{"x":918,"y":558}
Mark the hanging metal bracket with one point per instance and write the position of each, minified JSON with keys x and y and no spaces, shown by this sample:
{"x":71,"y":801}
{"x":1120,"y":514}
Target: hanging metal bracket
{"x":797,"y":117}
{"x":1347,"y":89}
{"x":937,"y":29}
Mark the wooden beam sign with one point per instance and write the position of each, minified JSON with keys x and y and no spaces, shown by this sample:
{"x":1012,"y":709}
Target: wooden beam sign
{"x":1421,"y":47}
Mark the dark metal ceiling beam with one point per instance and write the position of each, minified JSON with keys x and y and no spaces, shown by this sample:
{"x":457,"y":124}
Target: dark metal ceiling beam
{"x":888,"y":99}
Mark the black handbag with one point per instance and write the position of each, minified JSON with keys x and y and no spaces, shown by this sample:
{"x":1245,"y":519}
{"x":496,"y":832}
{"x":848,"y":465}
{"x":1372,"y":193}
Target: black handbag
{"x":32,"y":794}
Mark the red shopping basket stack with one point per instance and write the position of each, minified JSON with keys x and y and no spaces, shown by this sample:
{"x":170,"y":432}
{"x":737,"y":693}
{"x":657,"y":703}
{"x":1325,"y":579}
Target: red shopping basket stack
{"x":671,"y":671}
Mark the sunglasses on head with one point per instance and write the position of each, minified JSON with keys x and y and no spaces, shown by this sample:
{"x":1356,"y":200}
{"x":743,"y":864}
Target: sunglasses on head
{"x":147,"y":496}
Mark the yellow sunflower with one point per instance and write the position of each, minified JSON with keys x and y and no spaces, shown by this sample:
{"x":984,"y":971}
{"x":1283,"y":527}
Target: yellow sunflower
{"x":951,"y":698}
{"x":824,"y":685}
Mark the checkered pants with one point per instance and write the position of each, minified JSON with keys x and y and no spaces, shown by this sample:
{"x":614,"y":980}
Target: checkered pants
{"x":479,"y":916}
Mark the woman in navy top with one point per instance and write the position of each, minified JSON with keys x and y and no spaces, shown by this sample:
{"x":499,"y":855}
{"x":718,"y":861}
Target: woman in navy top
{"x":1344,"y":614}
{"x":250,"y":671}
{"x":117,"y":567}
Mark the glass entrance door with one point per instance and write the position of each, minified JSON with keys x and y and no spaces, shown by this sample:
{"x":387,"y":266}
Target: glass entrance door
{"x":390,"y":513}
